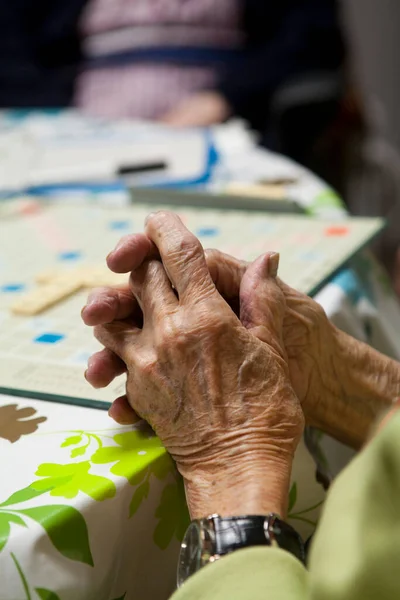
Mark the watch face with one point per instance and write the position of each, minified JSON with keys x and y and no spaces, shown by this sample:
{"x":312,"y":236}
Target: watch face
{"x":190,"y":554}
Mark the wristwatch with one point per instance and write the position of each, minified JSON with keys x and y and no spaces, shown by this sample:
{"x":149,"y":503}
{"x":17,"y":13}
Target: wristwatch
{"x":207,"y":540}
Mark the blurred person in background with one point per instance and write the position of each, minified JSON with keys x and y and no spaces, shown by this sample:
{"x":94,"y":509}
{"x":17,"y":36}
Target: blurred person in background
{"x":281,"y":66}
{"x":183,"y":62}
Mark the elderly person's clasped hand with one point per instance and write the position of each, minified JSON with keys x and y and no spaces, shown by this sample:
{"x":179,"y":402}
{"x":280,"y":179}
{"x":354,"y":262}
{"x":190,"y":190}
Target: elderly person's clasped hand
{"x":226,"y":362}
{"x":220,"y":355}
{"x":215,"y":389}
{"x":327,"y":368}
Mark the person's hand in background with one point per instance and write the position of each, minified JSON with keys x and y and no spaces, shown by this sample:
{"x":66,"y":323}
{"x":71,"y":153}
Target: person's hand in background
{"x":200,"y":110}
{"x":215,"y":389}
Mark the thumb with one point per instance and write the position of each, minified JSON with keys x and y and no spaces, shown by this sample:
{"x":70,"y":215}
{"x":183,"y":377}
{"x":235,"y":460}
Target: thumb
{"x":262,"y":303}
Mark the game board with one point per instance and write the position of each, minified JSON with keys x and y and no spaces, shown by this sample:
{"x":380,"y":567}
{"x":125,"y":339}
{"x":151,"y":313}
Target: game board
{"x":45,"y":355}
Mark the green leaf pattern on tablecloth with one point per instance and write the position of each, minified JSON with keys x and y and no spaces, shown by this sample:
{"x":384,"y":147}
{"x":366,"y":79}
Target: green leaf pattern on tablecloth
{"x":141,"y":492}
{"x":134,"y":455}
{"x":137,"y":457}
{"x":81,"y":436}
{"x":68,"y":480}
{"x":172,"y":514}
{"x":23,"y":495}
{"x":72,"y":441}
{"x":80,"y":451}
{"x":66,"y":528}
{"x":42,"y":593}
{"x":5,"y":519}
{"x":46,"y":594}
{"x":135,"y":451}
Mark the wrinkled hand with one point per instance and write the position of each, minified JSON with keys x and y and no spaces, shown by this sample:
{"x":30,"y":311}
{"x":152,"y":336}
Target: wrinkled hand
{"x":307,"y":332}
{"x":213,"y":388}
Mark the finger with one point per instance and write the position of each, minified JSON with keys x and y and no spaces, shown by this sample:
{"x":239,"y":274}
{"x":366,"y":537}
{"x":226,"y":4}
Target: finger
{"x":225,"y":270}
{"x":120,"y":337}
{"x":262,"y":303}
{"x":130,"y":252}
{"x":181,"y":253}
{"x":122,"y":412}
{"x":226,"y":273}
{"x":152,"y":289}
{"x":103,"y":367}
{"x":105,"y":305}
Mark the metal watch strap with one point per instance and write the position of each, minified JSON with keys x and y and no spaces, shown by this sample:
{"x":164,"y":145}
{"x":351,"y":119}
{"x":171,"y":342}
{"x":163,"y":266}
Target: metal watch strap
{"x":233,"y":533}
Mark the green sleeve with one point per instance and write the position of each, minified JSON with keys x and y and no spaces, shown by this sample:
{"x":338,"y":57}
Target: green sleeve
{"x":257,"y":573}
{"x":354,"y":554}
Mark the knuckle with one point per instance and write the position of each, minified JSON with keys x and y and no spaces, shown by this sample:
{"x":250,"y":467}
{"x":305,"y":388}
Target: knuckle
{"x":191,"y":247}
{"x":223,"y":325}
{"x":147,"y":365}
{"x":211,"y":323}
{"x":172,"y":335}
{"x":110,"y":301}
{"x":156,"y":219}
{"x":186,"y":249}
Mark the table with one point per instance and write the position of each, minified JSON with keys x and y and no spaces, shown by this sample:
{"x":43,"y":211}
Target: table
{"x":89,"y":509}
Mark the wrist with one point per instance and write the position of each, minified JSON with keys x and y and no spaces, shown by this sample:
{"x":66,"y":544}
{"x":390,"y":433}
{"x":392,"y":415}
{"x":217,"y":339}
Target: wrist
{"x":358,"y":386}
{"x":252,"y":484}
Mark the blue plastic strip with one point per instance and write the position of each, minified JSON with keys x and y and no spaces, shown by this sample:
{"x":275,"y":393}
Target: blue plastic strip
{"x":211,"y":159}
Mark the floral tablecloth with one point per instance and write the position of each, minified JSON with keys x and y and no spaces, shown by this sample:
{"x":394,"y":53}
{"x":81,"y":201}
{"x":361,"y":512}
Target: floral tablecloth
{"x":91,"y":510}
{"x":87,"y":510}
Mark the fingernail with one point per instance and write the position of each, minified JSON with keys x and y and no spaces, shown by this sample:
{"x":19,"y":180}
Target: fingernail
{"x":273,"y":264}
{"x":85,"y":374}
